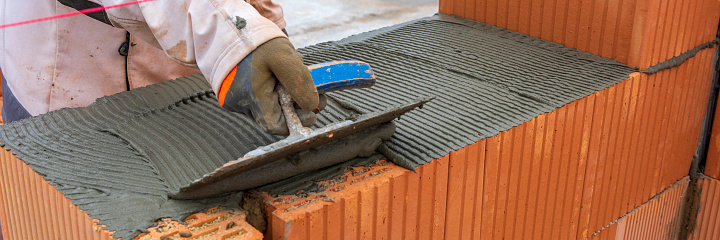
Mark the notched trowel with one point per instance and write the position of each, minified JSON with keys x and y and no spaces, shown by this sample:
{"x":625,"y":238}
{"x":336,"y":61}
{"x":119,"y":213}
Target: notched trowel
{"x":306,"y":149}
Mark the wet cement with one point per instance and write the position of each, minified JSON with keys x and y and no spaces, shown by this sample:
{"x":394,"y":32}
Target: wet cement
{"x":486,"y":80}
{"x":679,"y":59}
{"x":309,"y":181}
{"x":118,"y":158}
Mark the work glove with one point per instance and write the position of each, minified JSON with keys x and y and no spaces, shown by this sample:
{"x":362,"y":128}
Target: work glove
{"x":250,"y":87}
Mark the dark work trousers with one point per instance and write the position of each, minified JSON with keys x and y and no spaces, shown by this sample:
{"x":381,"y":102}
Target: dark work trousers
{"x":1,"y":235}
{"x":12,"y":110}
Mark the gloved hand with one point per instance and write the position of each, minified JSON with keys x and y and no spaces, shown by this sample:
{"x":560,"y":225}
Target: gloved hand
{"x":250,"y":87}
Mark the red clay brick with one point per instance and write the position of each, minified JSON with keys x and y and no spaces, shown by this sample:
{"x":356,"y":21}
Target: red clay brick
{"x":657,"y":218}
{"x":712,"y":165}
{"x":30,"y":208}
{"x":707,"y":225}
{"x":567,"y":173}
{"x":637,"y":33}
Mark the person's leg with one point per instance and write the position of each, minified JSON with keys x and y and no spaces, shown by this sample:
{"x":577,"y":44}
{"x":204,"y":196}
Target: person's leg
{"x":12,"y":110}
{"x":3,"y":83}
{"x":1,"y":235}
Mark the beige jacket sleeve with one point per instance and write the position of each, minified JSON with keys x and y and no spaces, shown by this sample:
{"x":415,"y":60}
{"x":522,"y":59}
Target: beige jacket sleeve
{"x":269,"y":10}
{"x":199,"y":33}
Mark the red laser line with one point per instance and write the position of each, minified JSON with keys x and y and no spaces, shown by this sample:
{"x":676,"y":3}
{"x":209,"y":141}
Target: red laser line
{"x":89,"y":10}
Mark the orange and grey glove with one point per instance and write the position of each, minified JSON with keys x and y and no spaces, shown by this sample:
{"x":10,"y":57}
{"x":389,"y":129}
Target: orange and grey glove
{"x":250,"y":87}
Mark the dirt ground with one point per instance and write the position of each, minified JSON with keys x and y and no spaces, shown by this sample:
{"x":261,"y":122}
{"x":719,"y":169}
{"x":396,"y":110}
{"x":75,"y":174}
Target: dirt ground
{"x":314,"y":21}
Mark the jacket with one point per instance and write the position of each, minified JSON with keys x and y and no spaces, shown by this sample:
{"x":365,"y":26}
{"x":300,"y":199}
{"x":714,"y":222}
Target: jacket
{"x":71,"y":61}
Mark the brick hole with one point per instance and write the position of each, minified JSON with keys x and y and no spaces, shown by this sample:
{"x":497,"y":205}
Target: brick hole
{"x":190,"y":219}
{"x":368,"y":174}
{"x":212,"y":211}
{"x":164,"y":227}
{"x":234,"y":235}
{"x":206,"y":235}
{"x":144,"y":236}
{"x":208,"y":223}
{"x":293,"y":203}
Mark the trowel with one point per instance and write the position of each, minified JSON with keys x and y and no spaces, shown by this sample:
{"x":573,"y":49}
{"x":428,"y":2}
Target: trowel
{"x":306,"y":149}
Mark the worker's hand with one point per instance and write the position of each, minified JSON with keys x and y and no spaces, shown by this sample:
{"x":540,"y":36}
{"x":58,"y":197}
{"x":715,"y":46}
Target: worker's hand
{"x":251,"y":90}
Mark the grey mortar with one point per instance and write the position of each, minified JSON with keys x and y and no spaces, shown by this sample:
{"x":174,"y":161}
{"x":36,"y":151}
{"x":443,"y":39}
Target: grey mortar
{"x":117,"y":158}
{"x":486,"y":80}
{"x":679,"y":59}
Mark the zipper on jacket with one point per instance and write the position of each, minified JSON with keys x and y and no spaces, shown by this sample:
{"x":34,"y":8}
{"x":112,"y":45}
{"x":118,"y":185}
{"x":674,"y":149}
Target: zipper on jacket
{"x":124,"y":50}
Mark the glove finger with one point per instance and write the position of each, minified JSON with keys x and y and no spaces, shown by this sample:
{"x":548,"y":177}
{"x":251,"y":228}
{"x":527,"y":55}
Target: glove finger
{"x":279,"y":127}
{"x":321,"y":106}
{"x":292,"y":73}
{"x":306,"y":118}
{"x":271,"y":112}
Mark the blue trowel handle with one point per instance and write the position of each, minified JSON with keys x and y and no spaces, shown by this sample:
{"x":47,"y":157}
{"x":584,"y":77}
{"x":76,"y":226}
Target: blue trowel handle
{"x":341,"y":75}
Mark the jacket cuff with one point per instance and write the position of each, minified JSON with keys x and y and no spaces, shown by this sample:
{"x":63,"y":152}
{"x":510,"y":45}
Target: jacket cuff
{"x":225,"y":86}
{"x":240,"y":49}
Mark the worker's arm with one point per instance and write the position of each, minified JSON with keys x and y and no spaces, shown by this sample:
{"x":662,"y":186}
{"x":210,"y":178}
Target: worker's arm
{"x":269,"y":10}
{"x":215,"y":36}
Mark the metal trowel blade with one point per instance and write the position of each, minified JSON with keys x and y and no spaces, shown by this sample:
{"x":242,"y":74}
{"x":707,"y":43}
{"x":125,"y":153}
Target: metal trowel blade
{"x":224,"y":179}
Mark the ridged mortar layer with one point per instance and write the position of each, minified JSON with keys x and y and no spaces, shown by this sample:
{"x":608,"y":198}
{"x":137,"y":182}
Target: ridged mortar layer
{"x":118,"y":158}
{"x":100,"y":157}
{"x":486,"y":80}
